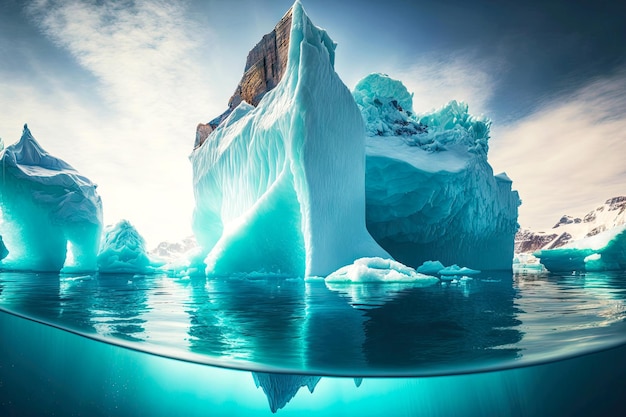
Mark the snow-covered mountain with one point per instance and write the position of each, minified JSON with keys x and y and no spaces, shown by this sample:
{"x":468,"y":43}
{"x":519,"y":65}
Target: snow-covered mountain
{"x":594,"y":242}
{"x":568,"y":229}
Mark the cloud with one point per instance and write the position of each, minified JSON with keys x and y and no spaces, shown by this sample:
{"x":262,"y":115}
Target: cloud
{"x":568,"y":156}
{"x":437,"y":79}
{"x":131,"y":130}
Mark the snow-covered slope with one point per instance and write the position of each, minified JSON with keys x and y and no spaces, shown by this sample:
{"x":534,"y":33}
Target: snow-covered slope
{"x":431,"y":193}
{"x":606,"y":216}
{"x":594,"y":242}
{"x":280,"y":188}
{"x":46,"y":207}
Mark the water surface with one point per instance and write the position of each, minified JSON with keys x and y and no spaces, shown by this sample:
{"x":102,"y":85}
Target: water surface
{"x":497,"y":320}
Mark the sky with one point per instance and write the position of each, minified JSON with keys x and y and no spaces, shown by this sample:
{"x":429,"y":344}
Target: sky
{"x":116,"y":88}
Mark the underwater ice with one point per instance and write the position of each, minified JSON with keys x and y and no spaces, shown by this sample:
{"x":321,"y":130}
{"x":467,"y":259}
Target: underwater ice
{"x":123,"y":250}
{"x":47,"y":208}
{"x":280,"y":188}
{"x":430,"y":192}
{"x":281,"y":388}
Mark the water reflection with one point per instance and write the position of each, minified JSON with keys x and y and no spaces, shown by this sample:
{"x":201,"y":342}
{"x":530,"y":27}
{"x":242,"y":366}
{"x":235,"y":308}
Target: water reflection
{"x":289,"y":324}
{"x":252,"y":320}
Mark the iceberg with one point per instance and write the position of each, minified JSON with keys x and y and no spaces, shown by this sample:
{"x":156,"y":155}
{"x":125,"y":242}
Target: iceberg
{"x":430,"y":191}
{"x":280,"y":187}
{"x":430,"y":267}
{"x":50,"y":212}
{"x":123,"y":250}
{"x":457,"y":270}
{"x":378,"y":270}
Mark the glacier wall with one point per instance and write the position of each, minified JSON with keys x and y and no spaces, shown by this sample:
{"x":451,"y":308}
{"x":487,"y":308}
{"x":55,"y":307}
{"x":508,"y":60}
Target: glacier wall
{"x":430,"y":191}
{"x":280,"y":188}
{"x":47,"y":208}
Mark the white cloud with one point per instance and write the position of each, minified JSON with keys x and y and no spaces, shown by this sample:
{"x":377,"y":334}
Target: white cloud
{"x":435,"y":80}
{"x":567,"y":156}
{"x":133,"y":132}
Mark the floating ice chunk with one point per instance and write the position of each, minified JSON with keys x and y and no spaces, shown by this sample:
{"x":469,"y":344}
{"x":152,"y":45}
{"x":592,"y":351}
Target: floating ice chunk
{"x":430,"y":267}
{"x":365,"y":270}
{"x":457,"y":270}
{"x":372,"y":282}
{"x":123,"y":250}
{"x":47,"y":206}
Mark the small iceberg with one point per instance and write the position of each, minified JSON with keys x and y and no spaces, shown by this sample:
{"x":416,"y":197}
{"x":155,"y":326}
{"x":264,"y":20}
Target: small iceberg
{"x":457,"y":270}
{"x":379,"y":270}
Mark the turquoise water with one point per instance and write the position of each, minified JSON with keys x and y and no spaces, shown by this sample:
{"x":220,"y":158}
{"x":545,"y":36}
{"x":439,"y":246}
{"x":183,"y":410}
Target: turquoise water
{"x":548,"y":345}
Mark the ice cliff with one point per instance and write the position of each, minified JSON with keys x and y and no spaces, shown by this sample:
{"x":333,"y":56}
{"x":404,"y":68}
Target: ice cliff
{"x":593,"y":242}
{"x":280,"y":188}
{"x":430,"y":191}
{"x":47,"y":208}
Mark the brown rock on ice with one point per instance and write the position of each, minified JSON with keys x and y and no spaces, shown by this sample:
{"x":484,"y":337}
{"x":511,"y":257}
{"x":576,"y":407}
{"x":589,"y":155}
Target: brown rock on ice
{"x":265,"y":67}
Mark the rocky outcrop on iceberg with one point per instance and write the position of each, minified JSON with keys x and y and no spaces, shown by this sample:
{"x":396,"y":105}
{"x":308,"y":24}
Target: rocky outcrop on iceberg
{"x":593,"y":242}
{"x":430,"y":192}
{"x":265,"y":67}
{"x":281,"y":388}
{"x":280,"y":188}
{"x":47,"y":207}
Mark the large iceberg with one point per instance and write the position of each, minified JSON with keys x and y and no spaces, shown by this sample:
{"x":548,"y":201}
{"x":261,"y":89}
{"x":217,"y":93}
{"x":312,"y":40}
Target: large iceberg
{"x":280,"y":188}
{"x":301,"y":177}
{"x":49,"y":211}
{"x":431,"y":193}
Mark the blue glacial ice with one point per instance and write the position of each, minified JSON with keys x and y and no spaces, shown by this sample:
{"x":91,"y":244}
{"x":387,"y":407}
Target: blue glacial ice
{"x":50,"y":212}
{"x":123,"y":250}
{"x":280,"y":188}
{"x":458,"y":270}
{"x":430,"y":191}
